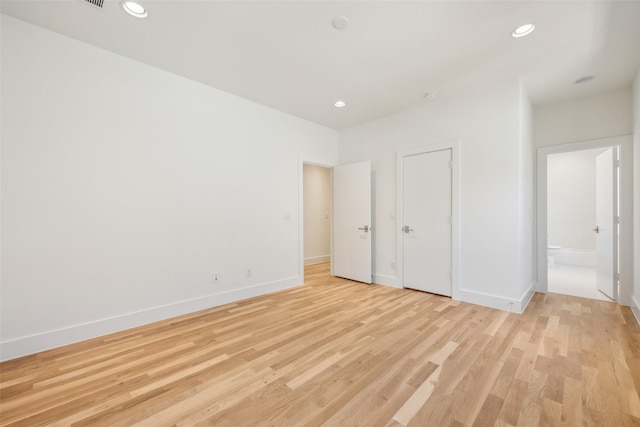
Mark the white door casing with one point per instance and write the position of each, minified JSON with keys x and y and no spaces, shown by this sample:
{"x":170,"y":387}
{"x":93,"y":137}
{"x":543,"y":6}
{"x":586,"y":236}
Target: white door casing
{"x":352,"y":235}
{"x":606,"y":227}
{"x":624,"y":144}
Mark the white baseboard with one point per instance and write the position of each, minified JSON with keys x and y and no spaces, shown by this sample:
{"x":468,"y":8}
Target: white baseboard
{"x":23,"y":346}
{"x":317,"y":259}
{"x":526,"y":297}
{"x":479,"y":298}
{"x":635,"y":308}
{"x":381,"y":279}
{"x":494,"y":301}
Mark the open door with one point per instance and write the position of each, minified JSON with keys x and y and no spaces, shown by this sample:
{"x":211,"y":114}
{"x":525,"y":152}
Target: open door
{"x":607,"y":222}
{"x":352,"y":221}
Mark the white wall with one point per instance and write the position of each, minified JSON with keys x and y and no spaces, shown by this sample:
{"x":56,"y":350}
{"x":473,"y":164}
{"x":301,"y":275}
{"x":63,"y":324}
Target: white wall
{"x":636,"y":197}
{"x":595,"y":117}
{"x":487,"y":123}
{"x":571,"y":199}
{"x":124,"y":188}
{"x":317,"y":204}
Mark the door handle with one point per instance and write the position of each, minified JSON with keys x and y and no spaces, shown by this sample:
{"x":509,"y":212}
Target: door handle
{"x":597,"y":229}
{"x":365,"y":228}
{"x":406,"y":229}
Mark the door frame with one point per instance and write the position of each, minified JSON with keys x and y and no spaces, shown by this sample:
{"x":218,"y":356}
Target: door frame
{"x":301,"y":162}
{"x":454,"y":146}
{"x":607,"y":175}
{"x":625,"y":195}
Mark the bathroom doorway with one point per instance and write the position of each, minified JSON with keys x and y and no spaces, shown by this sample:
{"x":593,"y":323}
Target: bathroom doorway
{"x":572,"y":224}
{"x":569,"y":234}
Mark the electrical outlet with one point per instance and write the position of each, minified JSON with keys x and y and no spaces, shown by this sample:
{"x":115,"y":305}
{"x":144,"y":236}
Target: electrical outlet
{"x":249,"y":272}
{"x":393,"y":265}
{"x":216,"y":278}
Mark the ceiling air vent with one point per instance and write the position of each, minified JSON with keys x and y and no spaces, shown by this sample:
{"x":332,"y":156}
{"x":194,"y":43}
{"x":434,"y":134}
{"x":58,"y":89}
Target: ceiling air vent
{"x":98,"y":3}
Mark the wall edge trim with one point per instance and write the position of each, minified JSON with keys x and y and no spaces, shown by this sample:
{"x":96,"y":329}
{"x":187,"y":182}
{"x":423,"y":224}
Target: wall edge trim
{"x":385,"y":280}
{"x":48,"y":340}
{"x":317,"y":259}
{"x":513,"y":305}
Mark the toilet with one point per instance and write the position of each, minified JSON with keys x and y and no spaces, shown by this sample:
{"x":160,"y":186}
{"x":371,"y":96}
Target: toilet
{"x":552,"y":251}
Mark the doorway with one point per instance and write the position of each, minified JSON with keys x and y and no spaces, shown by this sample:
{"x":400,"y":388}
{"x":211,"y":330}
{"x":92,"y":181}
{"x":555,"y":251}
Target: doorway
{"x":555,"y":254}
{"x":577,"y":202}
{"x":331,"y":205}
{"x":316,"y":214}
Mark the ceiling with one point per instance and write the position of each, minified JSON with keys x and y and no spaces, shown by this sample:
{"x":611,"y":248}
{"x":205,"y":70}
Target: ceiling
{"x":287,"y":55}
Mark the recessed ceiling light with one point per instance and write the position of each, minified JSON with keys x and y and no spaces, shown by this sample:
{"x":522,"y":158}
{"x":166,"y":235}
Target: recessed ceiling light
{"x":584,"y":79}
{"x":134,"y":9}
{"x":431,"y":94}
{"x":523,"y":30}
{"x":340,"y":22}
{"x":339,"y":103}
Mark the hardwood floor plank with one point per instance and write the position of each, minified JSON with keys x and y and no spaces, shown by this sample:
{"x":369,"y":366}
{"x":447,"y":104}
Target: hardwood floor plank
{"x":571,"y":403}
{"x":489,"y":412}
{"x":334,"y":352}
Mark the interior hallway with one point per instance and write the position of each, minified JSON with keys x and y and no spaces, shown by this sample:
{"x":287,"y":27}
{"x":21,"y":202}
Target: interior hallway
{"x":336,"y":352}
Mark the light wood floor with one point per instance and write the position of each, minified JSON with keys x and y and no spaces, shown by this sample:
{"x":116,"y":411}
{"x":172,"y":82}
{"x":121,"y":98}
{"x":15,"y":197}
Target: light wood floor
{"x":335,"y":352}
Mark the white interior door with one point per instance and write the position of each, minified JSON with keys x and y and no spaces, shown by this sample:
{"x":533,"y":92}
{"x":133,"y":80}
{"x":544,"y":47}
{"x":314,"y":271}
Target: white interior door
{"x":606,"y":219}
{"x":352,"y":221}
{"x":427,"y":228}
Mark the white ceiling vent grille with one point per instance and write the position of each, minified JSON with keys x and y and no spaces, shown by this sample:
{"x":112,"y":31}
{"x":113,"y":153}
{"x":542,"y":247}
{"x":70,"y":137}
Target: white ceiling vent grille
{"x":97,"y":3}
